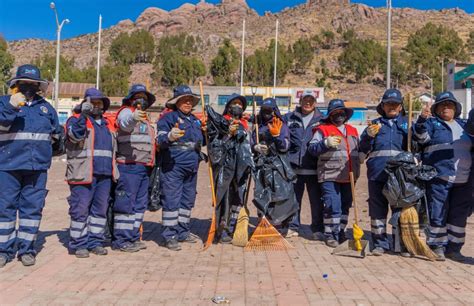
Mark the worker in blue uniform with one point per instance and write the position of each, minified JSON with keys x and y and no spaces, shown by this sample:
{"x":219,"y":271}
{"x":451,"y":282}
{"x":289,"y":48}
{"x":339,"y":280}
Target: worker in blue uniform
{"x":447,"y":146}
{"x":180,"y":137}
{"x":384,"y":138}
{"x":28,"y":127}
{"x":301,"y":122}
{"x":90,"y":150}
{"x":135,"y":157}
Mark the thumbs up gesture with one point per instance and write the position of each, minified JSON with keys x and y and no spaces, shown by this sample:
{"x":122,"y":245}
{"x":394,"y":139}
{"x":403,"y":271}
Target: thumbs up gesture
{"x":426,"y":111}
{"x":175,"y":133}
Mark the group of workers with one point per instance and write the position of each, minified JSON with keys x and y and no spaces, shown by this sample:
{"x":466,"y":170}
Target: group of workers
{"x":110,"y":158}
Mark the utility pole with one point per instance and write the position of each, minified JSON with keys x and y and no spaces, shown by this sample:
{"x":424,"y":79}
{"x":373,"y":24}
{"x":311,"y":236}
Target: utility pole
{"x":276,"y":57}
{"x":389,"y":42}
{"x":242,"y":60}
{"x":98,"y":54}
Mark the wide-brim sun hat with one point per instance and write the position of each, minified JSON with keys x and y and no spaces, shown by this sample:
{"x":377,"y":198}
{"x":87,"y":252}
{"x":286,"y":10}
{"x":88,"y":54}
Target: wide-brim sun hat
{"x":180,"y":92}
{"x":29,"y":73}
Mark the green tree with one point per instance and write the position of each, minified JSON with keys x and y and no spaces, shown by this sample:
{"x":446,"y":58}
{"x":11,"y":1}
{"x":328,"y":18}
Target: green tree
{"x":259,"y":66}
{"x":224,"y":66}
{"x":430,"y":45}
{"x":114,"y":80}
{"x":177,"y":60}
{"x":470,"y":42}
{"x":328,"y":38}
{"x":362,"y":57}
{"x":67,"y":71}
{"x":302,"y":55}
{"x":6,"y":64}
{"x":136,"y":47}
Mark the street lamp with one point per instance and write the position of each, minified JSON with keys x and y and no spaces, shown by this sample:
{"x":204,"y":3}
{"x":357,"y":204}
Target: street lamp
{"x":431,"y":84}
{"x":58,"y":34}
{"x":389,"y":43}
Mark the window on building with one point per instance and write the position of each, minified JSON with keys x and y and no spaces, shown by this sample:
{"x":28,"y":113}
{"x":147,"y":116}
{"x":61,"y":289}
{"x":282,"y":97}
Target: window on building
{"x":75,"y":98}
{"x":206,"y":99}
{"x":258,"y":99}
{"x":222,"y":99}
{"x":283,"y":100}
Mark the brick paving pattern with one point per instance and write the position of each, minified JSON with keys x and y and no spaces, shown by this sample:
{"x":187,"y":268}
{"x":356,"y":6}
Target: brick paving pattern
{"x":192,"y":277}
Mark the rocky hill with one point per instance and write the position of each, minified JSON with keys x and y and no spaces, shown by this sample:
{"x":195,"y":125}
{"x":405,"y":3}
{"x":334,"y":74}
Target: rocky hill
{"x":213,"y":23}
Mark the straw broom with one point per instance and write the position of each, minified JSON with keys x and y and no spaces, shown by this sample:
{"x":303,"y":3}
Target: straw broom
{"x":409,"y":222}
{"x":265,"y":237}
{"x":241,"y":233}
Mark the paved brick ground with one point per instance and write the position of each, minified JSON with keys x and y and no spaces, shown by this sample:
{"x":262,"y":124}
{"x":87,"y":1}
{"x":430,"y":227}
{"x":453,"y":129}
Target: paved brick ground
{"x":193,"y":277}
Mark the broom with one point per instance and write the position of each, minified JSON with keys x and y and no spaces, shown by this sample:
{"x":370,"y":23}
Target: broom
{"x":409,"y":222}
{"x":265,"y":237}
{"x":241,"y":233}
{"x":212,"y":228}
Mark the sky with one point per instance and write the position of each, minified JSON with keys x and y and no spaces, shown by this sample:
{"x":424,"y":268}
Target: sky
{"x":38,"y":21}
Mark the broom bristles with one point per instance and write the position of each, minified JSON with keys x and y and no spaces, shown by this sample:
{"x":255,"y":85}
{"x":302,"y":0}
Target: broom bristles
{"x":409,"y":225}
{"x":267,"y":238}
{"x":241,"y":234}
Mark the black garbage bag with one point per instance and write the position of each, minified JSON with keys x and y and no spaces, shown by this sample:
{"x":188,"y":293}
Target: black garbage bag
{"x":406,"y":180}
{"x":154,"y":190}
{"x":232,"y":163}
{"x":274,"y":194}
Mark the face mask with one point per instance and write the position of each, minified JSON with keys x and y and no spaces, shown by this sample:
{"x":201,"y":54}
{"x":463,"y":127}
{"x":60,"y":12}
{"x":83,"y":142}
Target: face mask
{"x":142,"y":102}
{"x":29,"y":90}
{"x":236,"y":111}
{"x":338,"y":120}
{"x":267,"y":116}
{"x":96,"y":111}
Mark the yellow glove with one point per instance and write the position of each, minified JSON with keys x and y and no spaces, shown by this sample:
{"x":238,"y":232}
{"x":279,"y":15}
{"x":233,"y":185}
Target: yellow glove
{"x":357,"y":233}
{"x":373,"y":129}
{"x":175,"y":133}
{"x":234,"y":127}
{"x":332,"y":141}
{"x":17,"y":100}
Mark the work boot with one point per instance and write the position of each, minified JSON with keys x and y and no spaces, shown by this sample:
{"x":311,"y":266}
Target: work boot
{"x":173,"y":245}
{"x":456,"y":256}
{"x":406,"y":254}
{"x":3,"y":261}
{"x":439,"y":251}
{"x":332,"y":243}
{"x":342,"y":237}
{"x":378,"y":251}
{"x":128,"y":247}
{"x":292,"y":233}
{"x":27,"y":260}
{"x":191,"y":239}
{"x":225,"y":238}
{"x":98,"y":250}
{"x":317,"y":236}
{"x":140,"y":245}
{"x":82,"y":253}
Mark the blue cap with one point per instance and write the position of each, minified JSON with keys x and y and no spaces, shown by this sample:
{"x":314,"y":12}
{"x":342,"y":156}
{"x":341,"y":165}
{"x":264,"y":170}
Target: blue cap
{"x":180,"y":92}
{"x":28,"y":73}
{"x":447,"y":96}
{"x":138,"y":88}
{"x":391,"y":95}
{"x":337,"y":104}
{"x":95,"y":94}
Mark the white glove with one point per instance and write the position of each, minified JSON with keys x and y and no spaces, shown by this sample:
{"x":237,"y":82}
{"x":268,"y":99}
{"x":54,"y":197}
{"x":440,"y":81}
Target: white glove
{"x":86,"y":107}
{"x":332,"y":141}
{"x":261,"y":148}
{"x":139,"y":115}
{"x":175,"y":133}
{"x":17,"y":100}
{"x":373,"y":129}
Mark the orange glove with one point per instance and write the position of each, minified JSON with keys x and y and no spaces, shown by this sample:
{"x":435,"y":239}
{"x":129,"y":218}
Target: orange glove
{"x":234,"y":127}
{"x":204,"y":124}
{"x":275,"y":126}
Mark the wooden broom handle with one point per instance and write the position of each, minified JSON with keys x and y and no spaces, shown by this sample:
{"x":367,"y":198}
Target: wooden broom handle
{"x":211,"y":175}
{"x":255,"y":121}
{"x":410,"y":115}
